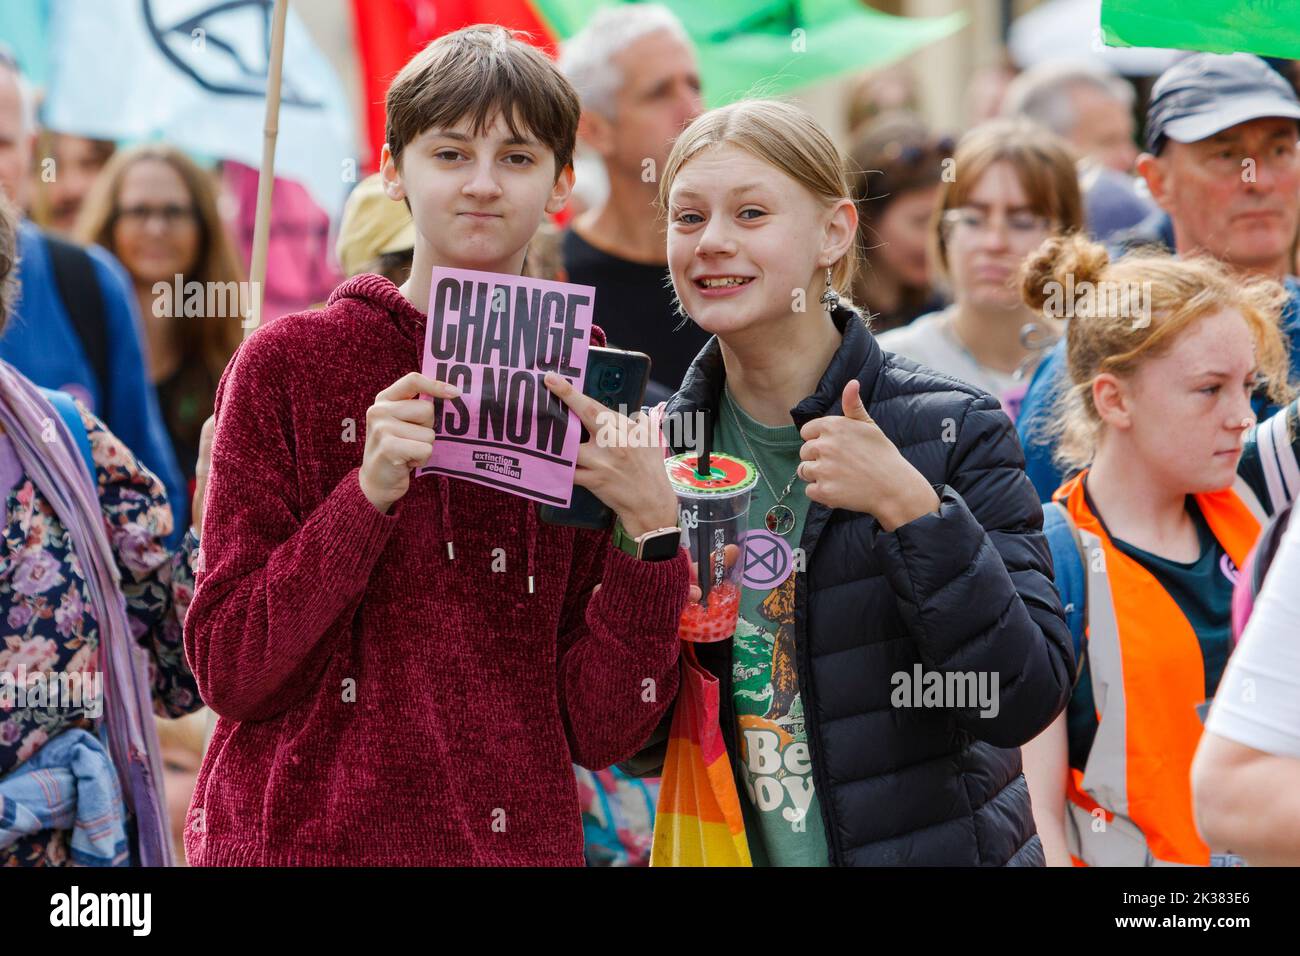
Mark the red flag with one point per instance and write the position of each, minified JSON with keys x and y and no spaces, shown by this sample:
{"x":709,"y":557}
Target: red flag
{"x":390,"y":32}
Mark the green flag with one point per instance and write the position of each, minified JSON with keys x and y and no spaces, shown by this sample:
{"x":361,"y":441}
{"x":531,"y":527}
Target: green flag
{"x":1266,"y":27}
{"x":768,"y":47}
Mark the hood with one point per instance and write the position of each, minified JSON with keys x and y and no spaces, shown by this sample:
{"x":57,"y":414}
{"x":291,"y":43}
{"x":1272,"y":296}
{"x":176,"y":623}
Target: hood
{"x":377,"y":293}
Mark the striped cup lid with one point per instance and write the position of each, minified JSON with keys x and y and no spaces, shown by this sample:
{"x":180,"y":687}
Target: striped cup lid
{"x":727,"y":476}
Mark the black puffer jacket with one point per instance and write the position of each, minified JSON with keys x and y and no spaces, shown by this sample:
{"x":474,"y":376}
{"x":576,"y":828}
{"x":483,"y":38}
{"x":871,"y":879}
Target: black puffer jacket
{"x":966,"y":589}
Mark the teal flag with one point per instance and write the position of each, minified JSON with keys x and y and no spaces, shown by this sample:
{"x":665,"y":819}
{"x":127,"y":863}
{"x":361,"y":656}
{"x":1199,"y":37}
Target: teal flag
{"x":768,"y":47}
{"x":24,"y":30}
{"x":1265,"y":27}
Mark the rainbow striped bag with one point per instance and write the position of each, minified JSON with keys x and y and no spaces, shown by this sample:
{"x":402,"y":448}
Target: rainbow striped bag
{"x":698,"y":822}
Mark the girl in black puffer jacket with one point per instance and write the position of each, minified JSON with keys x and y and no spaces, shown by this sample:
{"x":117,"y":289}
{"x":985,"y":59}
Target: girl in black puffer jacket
{"x":900,"y":636}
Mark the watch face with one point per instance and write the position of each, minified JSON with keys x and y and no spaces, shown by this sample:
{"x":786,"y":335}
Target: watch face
{"x":661,"y":547}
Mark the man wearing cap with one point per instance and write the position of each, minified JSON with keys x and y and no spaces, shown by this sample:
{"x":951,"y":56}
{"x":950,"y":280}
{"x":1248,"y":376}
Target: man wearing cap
{"x":1222,"y":161}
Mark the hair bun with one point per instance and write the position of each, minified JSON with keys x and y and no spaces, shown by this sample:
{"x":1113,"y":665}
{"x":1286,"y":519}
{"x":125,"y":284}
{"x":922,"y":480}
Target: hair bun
{"x":1057,"y":260}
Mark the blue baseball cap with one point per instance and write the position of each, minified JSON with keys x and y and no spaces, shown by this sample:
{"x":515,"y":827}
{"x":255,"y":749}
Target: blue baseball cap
{"x":1206,"y":93}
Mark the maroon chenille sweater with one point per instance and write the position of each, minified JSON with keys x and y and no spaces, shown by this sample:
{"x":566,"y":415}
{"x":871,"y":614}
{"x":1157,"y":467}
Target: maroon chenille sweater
{"x":381,"y":702}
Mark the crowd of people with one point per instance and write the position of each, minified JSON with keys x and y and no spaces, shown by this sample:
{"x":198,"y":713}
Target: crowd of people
{"x":1021,"y":398}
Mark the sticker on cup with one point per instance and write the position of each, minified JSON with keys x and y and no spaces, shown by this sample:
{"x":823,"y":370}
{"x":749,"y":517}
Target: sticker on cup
{"x":769,"y":560}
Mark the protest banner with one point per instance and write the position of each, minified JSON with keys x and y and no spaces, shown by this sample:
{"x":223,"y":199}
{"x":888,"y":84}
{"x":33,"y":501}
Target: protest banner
{"x":495,"y":337}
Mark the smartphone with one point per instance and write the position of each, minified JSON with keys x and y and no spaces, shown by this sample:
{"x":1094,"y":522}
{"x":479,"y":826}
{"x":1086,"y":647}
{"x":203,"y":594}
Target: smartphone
{"x":617,"y":379}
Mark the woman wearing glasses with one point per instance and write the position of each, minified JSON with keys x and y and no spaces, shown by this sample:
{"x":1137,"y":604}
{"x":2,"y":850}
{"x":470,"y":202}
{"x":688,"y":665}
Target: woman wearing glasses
{"x":92,"y":602}
{"x":156,"y":211}
{"x":1012,"y":186}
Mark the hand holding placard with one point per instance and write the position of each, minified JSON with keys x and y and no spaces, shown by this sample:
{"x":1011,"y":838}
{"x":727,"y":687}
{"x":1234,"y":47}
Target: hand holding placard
{"x":495,"y":336}
{"x":399,"y":437}
{"x":628,"y":477}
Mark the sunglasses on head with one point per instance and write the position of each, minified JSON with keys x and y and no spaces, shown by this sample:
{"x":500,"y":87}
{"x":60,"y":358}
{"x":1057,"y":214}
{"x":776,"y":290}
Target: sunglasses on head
{"x":911,"y":153}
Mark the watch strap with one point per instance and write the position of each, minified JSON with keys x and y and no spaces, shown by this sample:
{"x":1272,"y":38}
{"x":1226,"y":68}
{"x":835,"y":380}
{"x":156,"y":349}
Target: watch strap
{"x":624,"y":541}
{"x":636,"y":547}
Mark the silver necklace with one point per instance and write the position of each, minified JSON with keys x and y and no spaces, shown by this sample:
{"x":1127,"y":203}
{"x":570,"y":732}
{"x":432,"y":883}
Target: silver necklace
{"x":779,"y":518}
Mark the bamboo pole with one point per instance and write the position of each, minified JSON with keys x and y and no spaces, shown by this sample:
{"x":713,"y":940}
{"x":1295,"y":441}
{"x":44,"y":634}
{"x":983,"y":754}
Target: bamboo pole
{"x":266,"y":175}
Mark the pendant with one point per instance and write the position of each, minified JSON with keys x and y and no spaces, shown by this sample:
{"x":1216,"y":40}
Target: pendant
{"x":780,"y":520}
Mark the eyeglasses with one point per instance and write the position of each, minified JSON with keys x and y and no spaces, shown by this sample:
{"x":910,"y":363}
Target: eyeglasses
{"x":1020,"y":224}
{"x":172,"y":215}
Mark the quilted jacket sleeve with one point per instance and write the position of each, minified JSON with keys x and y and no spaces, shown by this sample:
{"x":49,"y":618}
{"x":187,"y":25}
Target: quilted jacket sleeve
{"x":974,"y":582}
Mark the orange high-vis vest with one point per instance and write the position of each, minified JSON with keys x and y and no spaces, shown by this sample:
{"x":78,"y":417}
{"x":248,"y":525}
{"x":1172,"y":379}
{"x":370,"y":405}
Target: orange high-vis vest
{"x":1132,"y":803}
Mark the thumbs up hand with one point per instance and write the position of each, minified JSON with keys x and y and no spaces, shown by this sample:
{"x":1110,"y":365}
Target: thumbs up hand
{"x":849,"y":463}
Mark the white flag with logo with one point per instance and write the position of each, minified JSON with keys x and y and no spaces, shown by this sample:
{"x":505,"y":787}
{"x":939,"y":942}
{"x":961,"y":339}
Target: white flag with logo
{"x":193,"y":73}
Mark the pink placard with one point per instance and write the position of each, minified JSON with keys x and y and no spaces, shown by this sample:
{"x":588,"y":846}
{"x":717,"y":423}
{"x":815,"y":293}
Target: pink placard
{"x":495,"y":337}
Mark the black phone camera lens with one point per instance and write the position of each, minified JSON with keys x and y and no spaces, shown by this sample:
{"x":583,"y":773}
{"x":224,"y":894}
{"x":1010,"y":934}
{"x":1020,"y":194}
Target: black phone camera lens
{"x":611,"y":380}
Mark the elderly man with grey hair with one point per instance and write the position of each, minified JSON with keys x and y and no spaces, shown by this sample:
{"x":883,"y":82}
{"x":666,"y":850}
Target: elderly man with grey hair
{"x":1092,"y":110}
{"x":635,"y":71}
{"x":1087,"y":107}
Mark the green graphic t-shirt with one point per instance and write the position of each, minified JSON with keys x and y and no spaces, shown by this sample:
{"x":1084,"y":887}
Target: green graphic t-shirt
{"x":782,"y":818}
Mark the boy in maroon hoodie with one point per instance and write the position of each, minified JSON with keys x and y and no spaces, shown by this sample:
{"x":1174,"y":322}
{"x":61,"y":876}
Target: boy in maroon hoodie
{"x":391,"y":691}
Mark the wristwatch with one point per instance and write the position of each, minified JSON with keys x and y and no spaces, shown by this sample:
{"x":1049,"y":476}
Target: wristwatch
{"x":660,"y":544}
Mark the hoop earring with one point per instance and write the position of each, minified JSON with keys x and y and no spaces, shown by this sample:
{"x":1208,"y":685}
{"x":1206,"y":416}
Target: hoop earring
{"x":830,"y":297}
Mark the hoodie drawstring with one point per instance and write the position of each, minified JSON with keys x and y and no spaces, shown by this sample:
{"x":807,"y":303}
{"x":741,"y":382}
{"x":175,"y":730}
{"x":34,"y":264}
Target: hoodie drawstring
{"x":444,"y":515}
{"x":530,"y":537}
{"x":445,"y":527}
